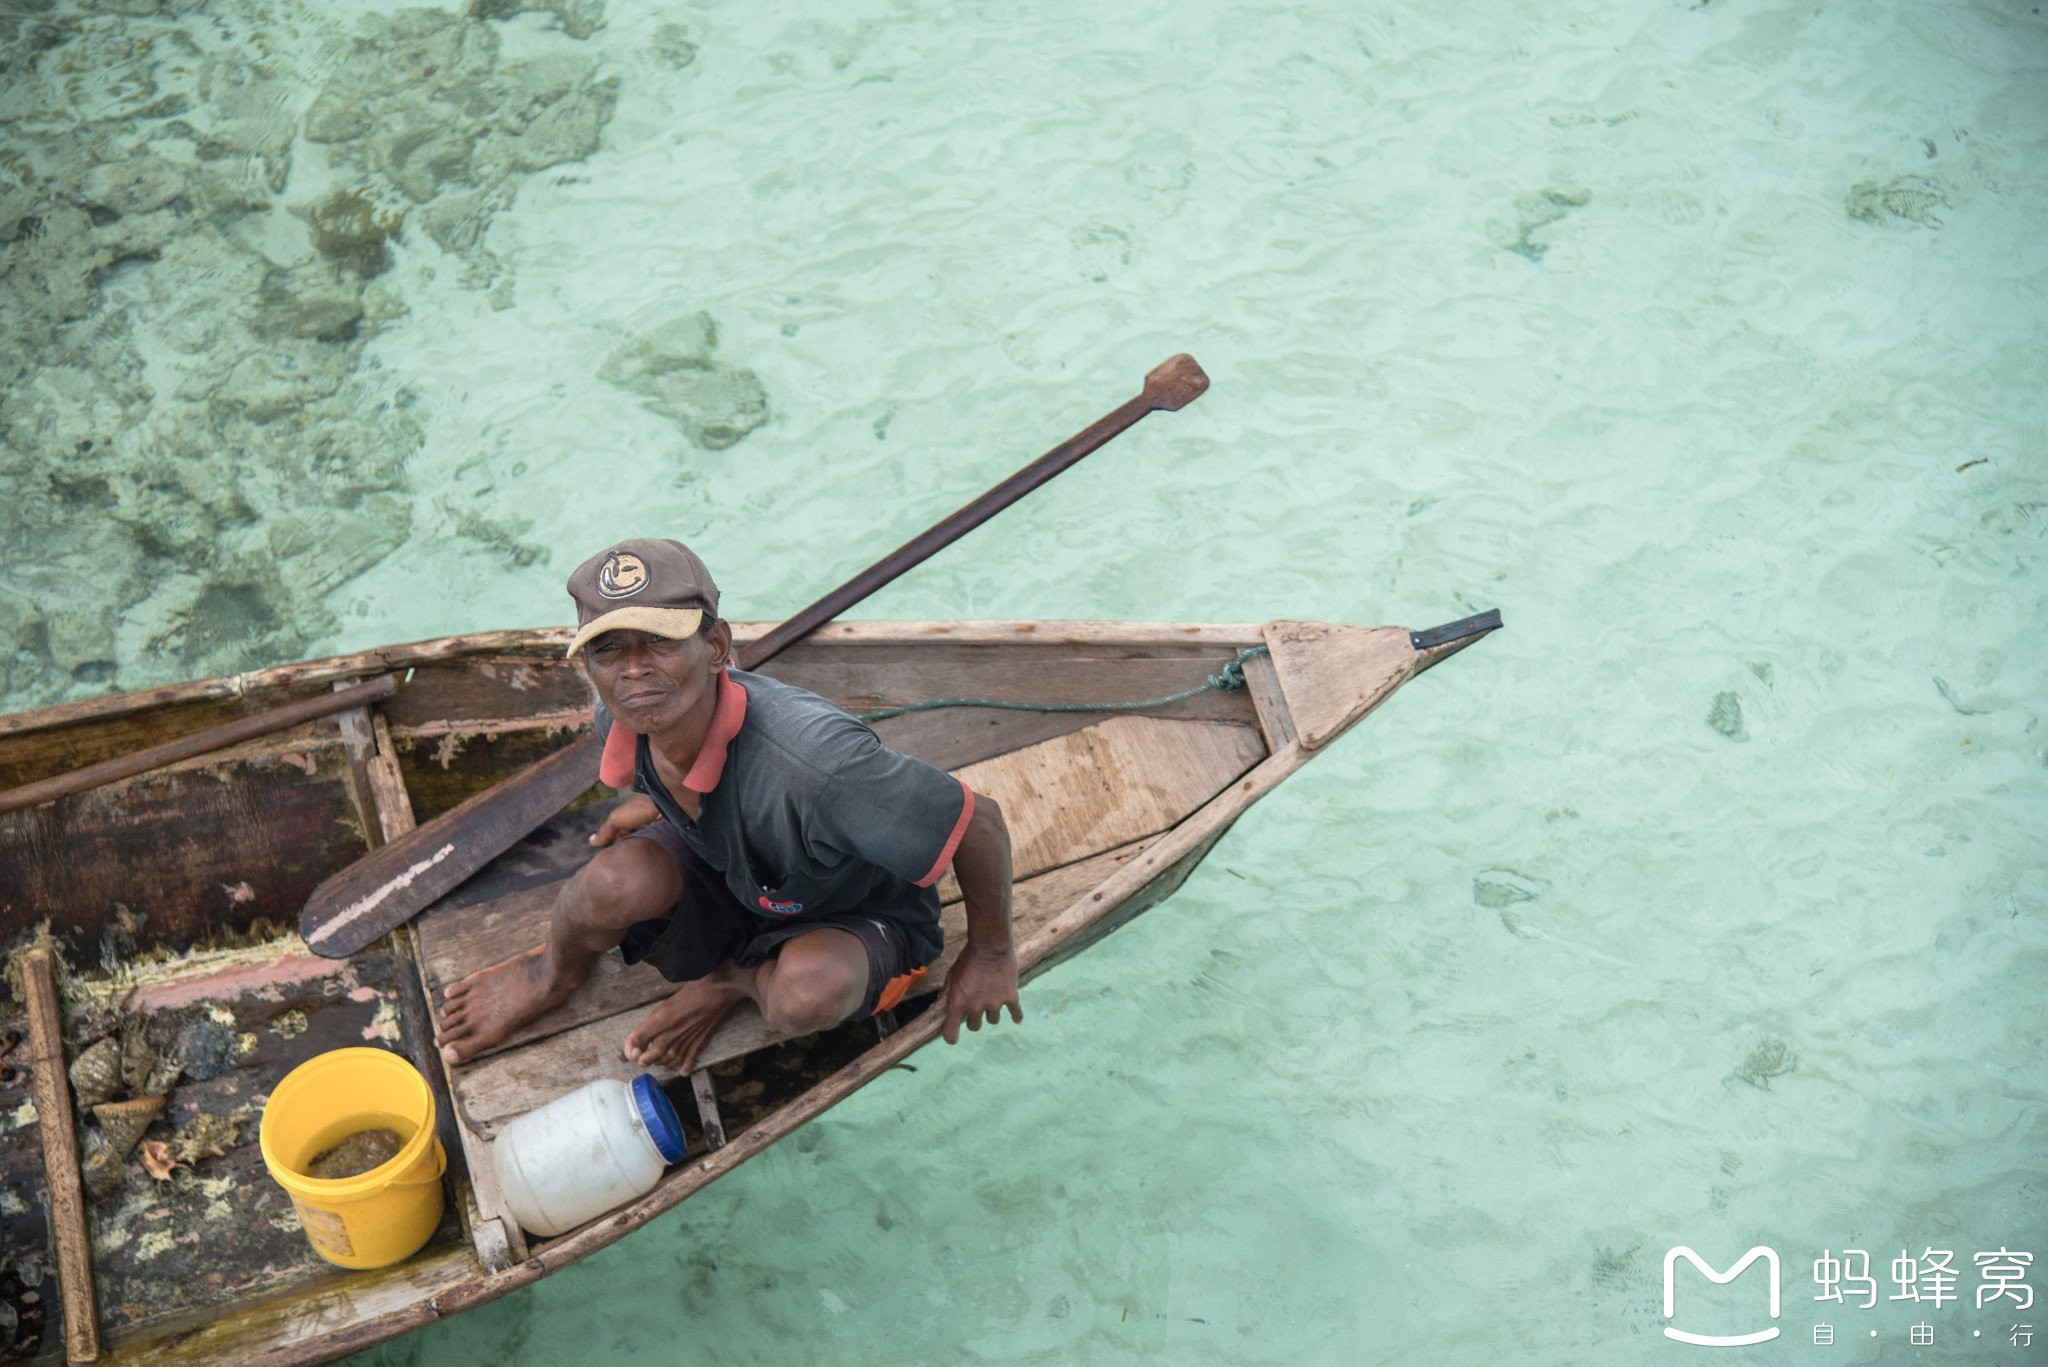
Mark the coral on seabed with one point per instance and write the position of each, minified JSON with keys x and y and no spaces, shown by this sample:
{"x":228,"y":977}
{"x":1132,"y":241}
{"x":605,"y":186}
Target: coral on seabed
{"x":193,"y":449}
{"x":674,"y":370}
{"x":441,"y":131}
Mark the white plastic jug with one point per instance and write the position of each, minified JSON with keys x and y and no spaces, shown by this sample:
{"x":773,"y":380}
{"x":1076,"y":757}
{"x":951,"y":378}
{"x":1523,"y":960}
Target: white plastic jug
{"x":586,"y":1153}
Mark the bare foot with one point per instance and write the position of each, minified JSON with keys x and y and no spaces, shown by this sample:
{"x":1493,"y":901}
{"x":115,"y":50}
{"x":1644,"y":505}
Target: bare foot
{"x":487,"y":1006}
{"x":676,"y":1030}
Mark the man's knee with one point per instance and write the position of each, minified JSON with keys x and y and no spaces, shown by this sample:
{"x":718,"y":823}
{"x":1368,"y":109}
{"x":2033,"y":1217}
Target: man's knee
{"x":634,"y":880}
{"x":815,"y":991}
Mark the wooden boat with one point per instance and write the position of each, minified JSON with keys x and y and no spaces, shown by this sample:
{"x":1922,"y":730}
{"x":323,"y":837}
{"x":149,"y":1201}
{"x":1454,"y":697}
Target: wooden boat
{"x":164,"y":893}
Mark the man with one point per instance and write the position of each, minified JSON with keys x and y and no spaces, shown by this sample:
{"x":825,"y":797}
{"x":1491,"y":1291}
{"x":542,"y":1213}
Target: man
{"x":774,"y":850}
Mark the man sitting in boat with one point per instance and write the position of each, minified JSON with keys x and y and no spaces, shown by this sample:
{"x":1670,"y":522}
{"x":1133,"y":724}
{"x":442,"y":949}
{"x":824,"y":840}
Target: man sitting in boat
{"x":773,"y":850}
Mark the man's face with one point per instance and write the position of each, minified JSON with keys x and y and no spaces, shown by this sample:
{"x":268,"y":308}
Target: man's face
{"x":650,"y":683}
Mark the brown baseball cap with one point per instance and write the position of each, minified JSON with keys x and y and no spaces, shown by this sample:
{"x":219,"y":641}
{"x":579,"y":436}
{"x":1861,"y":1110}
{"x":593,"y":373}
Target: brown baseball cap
{"x":644,"y":584}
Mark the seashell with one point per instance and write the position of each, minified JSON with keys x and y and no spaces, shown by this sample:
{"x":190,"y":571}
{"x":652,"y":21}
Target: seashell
{"x":101,"y":1169}
{"x":158,"y":1159}
{"x":138,"y":1060}
{"x":208,"y":1136}
{"x":96,"y":1073}
{"x":164,"y":1074}
{"x":122,"y":1122}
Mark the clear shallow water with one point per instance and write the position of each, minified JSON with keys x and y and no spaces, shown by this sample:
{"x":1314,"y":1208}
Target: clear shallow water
{"x":1702,"y":906}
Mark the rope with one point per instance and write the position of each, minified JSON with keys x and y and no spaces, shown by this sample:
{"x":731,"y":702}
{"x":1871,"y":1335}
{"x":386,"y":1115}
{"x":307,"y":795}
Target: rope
{"x":1228,"y":681}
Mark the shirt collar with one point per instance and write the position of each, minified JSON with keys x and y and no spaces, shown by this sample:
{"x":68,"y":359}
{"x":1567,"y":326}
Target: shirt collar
{"x":728,"y":713}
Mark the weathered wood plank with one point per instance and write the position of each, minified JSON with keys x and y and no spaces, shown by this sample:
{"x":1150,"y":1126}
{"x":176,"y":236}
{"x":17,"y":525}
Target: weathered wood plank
{"x":499,"y":1086}
{"x":387,"y":785}
{"x":707,"y":1108}
{"x":544,"y":646}
{"x":212,"y":741}
{"x":1060,"y":631}
{"x":33,"y":752}
{"x":456,"y":943}
{"x":1114,"y":782}
{"x":35,"y":745}
{"x":1333,"y":675}
{"x":866,"y":677}
{"x":1262,"y":682}
{"x":497,"y":1237}
{"x":359,"y":743}
{"x":226,"y":845}
{"x":442,"y":770}
{"x":60,"y":1157}
{"x":488,"y":688}
{"x":863,"y":678}
{"x":361,"y":1309}
{"x":952,"y":739}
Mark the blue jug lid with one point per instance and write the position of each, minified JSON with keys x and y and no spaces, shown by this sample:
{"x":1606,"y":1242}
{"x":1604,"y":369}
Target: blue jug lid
{"x":658,"y":1114}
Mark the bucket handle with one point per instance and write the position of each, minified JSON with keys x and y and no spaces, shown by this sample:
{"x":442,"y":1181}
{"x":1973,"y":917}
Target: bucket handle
{"x":440,"y":1167}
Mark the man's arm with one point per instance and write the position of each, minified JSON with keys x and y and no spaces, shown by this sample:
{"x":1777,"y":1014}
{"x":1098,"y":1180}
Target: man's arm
{"x":983,"y":979}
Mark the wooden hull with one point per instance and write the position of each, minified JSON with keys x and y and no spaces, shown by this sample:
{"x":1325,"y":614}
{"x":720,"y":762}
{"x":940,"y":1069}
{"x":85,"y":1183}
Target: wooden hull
{"x":1108,"y":812}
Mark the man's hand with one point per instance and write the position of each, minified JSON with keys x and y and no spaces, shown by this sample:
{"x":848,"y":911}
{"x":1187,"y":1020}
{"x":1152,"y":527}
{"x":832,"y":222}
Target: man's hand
{"x":629,"y":816}
{"x":983,"y":979}
{"x":981,"y":984}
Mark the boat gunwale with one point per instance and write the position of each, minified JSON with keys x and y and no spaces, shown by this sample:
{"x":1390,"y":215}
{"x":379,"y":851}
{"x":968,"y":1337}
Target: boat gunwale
{"x":541,"y":642}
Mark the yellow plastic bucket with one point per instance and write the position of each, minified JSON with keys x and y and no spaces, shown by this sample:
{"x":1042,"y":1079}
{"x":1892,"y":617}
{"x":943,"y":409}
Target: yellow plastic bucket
{"x":382,"y":1215}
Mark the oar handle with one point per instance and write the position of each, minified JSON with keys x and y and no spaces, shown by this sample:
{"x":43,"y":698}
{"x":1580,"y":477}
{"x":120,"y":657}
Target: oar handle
{"x":1171,"y":385}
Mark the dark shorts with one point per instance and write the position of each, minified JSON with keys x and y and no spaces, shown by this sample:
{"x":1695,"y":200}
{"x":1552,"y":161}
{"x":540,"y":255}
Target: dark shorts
{"x":709,"y":927}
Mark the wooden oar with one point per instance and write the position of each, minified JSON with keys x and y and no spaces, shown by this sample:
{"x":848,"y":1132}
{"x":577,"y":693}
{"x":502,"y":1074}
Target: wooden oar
{"x":395,"y":882}
{"x":198,"y":743}
{"x":1174,"y":384}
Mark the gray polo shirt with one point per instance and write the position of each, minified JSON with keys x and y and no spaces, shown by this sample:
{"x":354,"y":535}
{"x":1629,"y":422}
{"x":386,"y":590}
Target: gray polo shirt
{"x":806,"y":812}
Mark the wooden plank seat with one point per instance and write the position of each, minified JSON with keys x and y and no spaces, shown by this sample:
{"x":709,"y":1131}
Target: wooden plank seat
{"x":1079,"y":805}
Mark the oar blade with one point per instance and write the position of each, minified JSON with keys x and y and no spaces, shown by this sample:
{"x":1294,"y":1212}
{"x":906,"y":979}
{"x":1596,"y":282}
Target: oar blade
{"x":392,"y":884}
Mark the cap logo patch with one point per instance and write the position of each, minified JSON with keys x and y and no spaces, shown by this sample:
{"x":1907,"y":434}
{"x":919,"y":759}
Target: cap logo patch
{"x":622,"y":575}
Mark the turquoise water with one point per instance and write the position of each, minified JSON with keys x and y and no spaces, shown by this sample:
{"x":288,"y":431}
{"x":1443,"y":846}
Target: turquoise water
{"x":1703,"y":906}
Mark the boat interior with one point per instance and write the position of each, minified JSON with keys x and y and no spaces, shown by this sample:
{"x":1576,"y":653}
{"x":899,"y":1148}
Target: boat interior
{"x":168,"y":896}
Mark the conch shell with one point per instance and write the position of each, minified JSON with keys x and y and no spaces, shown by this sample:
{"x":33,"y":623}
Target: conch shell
{"x":164,"y":1073}
{"x":207,"y":1136}
{"x":122,"y":1122}
{"x":101,"y":1169}
{"x":96,"y":1073}
{"x":138,"y":1060}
